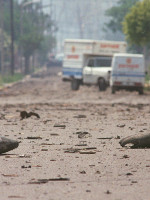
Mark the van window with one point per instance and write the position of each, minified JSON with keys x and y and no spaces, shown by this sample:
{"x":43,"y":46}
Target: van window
{"x":91,"y":63}
{"x":103,"y":62}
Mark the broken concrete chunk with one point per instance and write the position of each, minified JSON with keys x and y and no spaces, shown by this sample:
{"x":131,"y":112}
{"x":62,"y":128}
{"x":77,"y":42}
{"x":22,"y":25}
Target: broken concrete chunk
{"x":7,"y":145}
{"x":138,"y":141}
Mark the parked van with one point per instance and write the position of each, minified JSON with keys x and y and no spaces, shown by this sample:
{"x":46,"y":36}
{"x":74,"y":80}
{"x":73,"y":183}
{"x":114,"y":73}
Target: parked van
{"x":88,"y":62}
{"x":128,"y":72}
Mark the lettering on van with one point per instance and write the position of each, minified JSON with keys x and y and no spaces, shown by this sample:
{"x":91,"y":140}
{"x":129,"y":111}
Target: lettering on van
{"x":112,"y":46}
{"x":73,"y":49}
{"x":73,"y":56}
{"x":128,"y":60}
{"x":129,"y":64}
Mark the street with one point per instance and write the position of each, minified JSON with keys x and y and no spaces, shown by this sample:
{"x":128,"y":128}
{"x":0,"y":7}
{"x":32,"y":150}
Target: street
{"x":72,"y":151}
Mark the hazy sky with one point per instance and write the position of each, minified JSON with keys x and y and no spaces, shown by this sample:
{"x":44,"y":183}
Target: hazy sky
{"x":78,"y":18}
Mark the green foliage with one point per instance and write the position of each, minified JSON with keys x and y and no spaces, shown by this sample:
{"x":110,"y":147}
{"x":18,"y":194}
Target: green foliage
{"x":136,"y":25}
{"x":10,"y":78}
{"x":34,"y":31}
{"x":117,"y":14}
{"x":30,"y":42}
{"x":34,"y":25}
{"x":17,"y":15}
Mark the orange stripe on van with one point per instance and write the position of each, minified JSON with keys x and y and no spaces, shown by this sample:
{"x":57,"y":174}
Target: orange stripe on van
{"x":73,"y":56}
{"x":128,"y":66}
{"x":113,"y":46}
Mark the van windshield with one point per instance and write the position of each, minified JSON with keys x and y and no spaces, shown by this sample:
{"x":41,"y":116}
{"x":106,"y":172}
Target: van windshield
{"x":103,"y":62}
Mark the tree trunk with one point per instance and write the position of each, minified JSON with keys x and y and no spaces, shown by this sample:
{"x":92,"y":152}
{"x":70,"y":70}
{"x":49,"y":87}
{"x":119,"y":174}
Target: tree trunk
{"x":27,"y":70}
{"x":145,"y":51}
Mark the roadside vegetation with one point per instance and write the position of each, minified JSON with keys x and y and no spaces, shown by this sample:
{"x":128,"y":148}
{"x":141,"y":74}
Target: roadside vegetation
{"x":6,"y":79}
{"x":34,"y":37}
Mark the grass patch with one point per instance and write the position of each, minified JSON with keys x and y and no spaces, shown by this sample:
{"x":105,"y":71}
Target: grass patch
{"x":147,"y":82}
{"x":10,"y":79}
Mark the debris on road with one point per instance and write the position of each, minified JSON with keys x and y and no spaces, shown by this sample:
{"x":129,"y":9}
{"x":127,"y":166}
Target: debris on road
{"x":81,"y":151}
{"x":34,"y":138}
{"x":40,"y":181}
{"x":45,"y":121}
{"x":83,"y":134}
{"x":10,"y":175}
{"x":24,"y":114}
{"x":54,"y":134}
{"x":23,"y":166}
{"x":80,"y":145}
{"x":108,"y":192}
{"x":7,"y":144}
{"x":105,"y":138}
{"x":121,"y":125}
{"x":80,"y":116}
{"x":87,"y":152}
{"x":60,"y":126}
{"x":71,"y":150}
{"x":83,"y":172}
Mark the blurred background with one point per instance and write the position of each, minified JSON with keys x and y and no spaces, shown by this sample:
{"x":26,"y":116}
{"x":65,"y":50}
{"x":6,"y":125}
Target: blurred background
{"x":32,"y":32}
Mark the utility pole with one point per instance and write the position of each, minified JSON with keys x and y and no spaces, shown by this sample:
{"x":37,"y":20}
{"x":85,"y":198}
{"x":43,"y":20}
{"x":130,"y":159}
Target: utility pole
{"x":1,"y":36}
{"x":12,"y":35}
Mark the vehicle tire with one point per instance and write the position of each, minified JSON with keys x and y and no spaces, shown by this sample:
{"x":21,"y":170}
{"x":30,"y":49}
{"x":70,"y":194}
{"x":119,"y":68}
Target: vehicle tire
{"x":141,"y":91}
{"x":102,"y":84}
{"x":75,"y":84}
{"x":113,"y":90}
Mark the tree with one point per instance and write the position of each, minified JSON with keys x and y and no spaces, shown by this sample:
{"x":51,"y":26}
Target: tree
{"x":35,"y":27}
{"x":117,"y":14}
{"x":136,"y":25}
{"x":32,"y":27}
{"x":30,"y":42}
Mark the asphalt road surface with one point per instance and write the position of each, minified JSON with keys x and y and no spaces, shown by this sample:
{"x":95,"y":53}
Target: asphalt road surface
{"x":72,"y":151}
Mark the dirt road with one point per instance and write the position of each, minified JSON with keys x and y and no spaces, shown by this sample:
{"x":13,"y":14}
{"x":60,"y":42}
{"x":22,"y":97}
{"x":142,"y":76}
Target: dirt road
{"x":72,"y":151}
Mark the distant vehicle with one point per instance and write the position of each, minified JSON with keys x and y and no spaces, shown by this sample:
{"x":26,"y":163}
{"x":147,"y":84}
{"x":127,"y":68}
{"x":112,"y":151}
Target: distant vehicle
{"x":88,"y":62}
{"x":55,"y":61}
{"x":128,"y":72}
{"x":59,"y":57}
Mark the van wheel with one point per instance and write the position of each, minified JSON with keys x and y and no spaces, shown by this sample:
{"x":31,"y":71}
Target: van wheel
{"x":75,"y":84}
{"x":141,"y":91}
{"x":113,"y":90}
{"x":102,"y":84}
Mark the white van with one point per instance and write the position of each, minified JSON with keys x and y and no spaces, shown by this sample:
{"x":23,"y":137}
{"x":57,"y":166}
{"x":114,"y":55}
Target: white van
{"x":88,"y":62}
{"x":128,"y":72}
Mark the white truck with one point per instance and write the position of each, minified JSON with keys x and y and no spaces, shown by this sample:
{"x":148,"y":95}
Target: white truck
{"x":88,"y":62}
{"x":128,"y":72}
